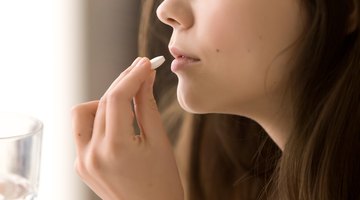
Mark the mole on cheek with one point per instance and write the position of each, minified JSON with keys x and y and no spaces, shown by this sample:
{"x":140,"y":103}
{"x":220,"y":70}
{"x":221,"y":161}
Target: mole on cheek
{"x":217,"y":50}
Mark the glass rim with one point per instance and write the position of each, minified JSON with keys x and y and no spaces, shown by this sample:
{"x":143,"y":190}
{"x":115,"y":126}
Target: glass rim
{"x":38,"y":124}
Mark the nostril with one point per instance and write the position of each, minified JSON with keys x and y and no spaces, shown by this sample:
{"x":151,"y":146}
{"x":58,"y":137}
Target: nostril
{"x":172,"y":21}
{"x":175,"y":13}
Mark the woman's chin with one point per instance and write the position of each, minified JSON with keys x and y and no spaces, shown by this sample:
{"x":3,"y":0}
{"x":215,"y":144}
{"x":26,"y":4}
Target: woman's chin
{"x":191,"y":103}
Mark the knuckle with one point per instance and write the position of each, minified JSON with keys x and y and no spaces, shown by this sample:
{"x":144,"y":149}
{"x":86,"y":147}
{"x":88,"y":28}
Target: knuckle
{"x":80,"y":109}
{"x":116,"y":155}
{"x":112,"y":147}
{"x":102,"y":103}
{"x":80,"y":168}
{"x":112,"y":153}
{"x":118,"y":94}
{"x":76,"y":110}
{"x":89,"y":164}
{"x":114,"y":95}
{"x":93,"y":163}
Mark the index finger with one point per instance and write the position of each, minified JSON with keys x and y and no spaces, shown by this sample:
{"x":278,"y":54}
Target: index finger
{"x":119,"y":112}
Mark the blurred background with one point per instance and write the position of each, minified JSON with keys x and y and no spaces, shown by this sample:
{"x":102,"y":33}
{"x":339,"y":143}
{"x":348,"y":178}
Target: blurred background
{"x":56,"y":54}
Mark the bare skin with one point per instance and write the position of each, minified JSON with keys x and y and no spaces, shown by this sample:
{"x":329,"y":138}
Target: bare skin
{"x":235,"y":60}
{"x":113,"y":161}
{"x":225,"y":54}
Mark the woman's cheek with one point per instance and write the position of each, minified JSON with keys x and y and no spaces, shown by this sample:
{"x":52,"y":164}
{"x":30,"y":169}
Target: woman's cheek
{"x":225,"y":38}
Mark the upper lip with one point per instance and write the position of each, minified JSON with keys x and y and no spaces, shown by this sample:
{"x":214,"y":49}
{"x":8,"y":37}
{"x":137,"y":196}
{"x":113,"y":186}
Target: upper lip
{"x":176,"y":53}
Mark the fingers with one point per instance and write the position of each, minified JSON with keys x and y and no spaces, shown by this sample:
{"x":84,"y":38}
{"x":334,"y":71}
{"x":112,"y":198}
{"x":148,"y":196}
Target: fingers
{"x":119,"y":111}
{"x":146,"y":110}
{"x":113,"y":114}
{"x":100,"y":119}
{"x":83,"y":122}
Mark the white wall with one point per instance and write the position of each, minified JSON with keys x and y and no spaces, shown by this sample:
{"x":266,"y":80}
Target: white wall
{"x":41,"y":71}
{"x":111,"y":41}
{"x":53,"y":55}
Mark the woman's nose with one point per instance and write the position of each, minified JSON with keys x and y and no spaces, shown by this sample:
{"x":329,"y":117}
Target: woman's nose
{"x":176,"y":13}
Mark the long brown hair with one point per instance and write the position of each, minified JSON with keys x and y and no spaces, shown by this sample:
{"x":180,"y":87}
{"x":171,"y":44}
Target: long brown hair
{"x":233,"y":158}
{"x":322,"y":157}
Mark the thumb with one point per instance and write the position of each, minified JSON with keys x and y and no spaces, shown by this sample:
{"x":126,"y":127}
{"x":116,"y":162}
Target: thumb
{"x":146,"y":110}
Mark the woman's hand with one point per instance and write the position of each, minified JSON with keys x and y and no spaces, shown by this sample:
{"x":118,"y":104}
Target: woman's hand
{"x":113,"y":161}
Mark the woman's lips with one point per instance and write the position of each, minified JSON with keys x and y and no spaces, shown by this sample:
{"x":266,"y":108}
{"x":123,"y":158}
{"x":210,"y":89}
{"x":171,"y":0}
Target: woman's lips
{"x":181,"y":59}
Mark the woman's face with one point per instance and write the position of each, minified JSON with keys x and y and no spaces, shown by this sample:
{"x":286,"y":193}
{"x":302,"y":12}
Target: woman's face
{"x":229,"y":54}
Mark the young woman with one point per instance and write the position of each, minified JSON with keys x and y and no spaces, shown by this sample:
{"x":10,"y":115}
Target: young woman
{"x":291,"y":66}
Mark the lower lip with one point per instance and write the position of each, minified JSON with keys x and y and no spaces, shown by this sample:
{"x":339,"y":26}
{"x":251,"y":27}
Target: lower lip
{"x":181,"y":63}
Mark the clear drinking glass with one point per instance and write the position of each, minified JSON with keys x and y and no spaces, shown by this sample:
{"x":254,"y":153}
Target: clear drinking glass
{"x":20,"y":151}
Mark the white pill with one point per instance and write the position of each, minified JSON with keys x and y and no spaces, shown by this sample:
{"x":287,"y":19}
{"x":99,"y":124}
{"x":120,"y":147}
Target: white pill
{"x":157,"y":62}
